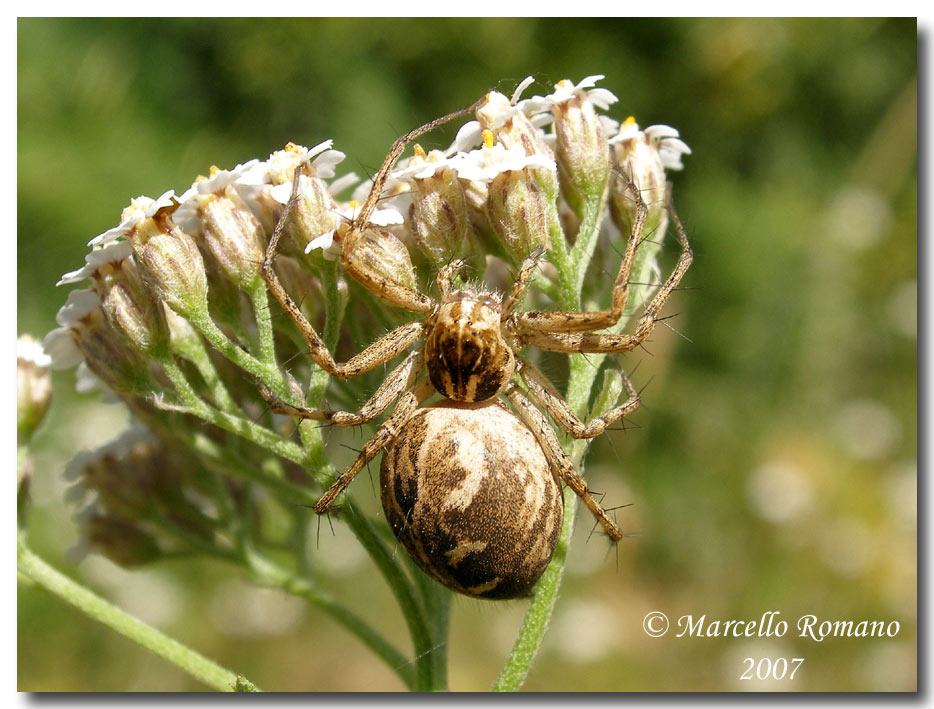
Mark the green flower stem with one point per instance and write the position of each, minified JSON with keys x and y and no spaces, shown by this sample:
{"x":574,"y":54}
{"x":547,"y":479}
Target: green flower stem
{"x":642,"y":268}
{"x":437,"y":600}
{"x":234,"y":424}
{"x":309,"y":431}
{"x":268,"y":573}
{"x":419,"y":629}
{"x":428,"y":677}
{"x":269,"y":374}
{"x":228,"y":464}
{"x":101,"y":610}
{"x":587,"y":235}
{"x":193,"y":350}
{"x":259,"y":299}
{"x":219,"y":393}
{"x":566,"y":296}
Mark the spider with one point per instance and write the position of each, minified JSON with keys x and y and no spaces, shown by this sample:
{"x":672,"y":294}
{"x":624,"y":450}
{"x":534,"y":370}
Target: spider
{"x":443,"y":452}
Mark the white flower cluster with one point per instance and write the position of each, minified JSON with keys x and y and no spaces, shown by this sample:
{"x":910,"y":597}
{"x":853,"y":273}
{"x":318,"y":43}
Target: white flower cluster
{"x":262,"y":185}
{"x":506,"y":144}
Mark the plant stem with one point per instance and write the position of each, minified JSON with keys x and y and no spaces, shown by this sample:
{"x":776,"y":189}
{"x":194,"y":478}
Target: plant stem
{"x":259,"y":299}
{"x":195,"y":664}
{"x":234,"y":424}
{"x":419,"y":630}
{"x":271,"y":574}
{"x":267,"y":373}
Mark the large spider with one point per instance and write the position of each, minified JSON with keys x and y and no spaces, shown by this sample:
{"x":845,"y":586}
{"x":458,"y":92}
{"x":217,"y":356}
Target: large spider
{"x":471,"y":343}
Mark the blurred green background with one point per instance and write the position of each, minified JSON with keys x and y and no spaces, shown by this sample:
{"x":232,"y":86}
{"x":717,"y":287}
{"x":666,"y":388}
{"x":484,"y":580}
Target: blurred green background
{"x":774,"y":463}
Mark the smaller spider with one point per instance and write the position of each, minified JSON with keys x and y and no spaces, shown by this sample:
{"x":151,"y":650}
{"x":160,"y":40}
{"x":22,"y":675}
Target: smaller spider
{"x":471,"y":489}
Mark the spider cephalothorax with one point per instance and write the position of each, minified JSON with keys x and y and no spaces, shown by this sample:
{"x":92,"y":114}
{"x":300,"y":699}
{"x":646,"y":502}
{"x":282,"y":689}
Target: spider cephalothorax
{"x":471,"y":508}
{"x":466,"y":353}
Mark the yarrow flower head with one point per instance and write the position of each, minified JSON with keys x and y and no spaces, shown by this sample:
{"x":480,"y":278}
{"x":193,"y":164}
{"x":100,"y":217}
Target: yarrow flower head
{"x":581,"y":146}
{"x":438,"y":214}
{"x":643,"y":157}
{"x":493,"y":159}
{"x":140,"y":209}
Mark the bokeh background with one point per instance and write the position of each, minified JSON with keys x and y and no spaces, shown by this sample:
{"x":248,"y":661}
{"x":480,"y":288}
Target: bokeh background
{"x":774,"y":463}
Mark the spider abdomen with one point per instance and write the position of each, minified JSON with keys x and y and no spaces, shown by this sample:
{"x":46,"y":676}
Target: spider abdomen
{"x":467,"y":356}
{"x":469,"y":493}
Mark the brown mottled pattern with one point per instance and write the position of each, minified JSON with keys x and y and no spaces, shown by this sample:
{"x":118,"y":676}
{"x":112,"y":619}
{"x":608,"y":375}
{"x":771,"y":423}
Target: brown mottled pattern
{"x":469,"y":494}
{"x":467,"y":357}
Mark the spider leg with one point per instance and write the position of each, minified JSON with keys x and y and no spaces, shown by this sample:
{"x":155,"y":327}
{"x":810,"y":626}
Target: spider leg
{"x":443,"y":279}
{"x":577,"y":321}
{"x":591,"y":342}
{"x":517,"y":293}
{"x":362,"y":241}
{"x":376,"y":354}
{"x":561,"y":465}
{"x":407,"y":406}
{"x":400,"y":378}
{"x":544,"y":392}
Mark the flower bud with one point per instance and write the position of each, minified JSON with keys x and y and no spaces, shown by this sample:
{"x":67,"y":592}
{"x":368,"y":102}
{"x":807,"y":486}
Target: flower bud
{"x":314,"y":213}
{"x":172,"y":264}
{"x":522,"y":213}
{"x":86,"y":335}
{"x":581,"y":148}
{"x":122,"y":369}
{"x":513,"y":128}
{"x":127,"y":302}
{"x":33,"y":387}
{"x":641,"y":157}
{"x":217,"y":214}
{"x":384,"y":254}
{"x":438,"y":215}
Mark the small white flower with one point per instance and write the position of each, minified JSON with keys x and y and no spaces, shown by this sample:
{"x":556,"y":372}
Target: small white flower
{"x":113,"y":252}
{"x":330,"y":248}
{"x":282,"y":163}
{"x":539,"y":108}
{"x":670,"y":146}
{"x":282,"y":192}
{"x":421,"y":167}
{"x":60,"y":346}
{"x":78,"y":304}
{"x":220,"y":179}
{"x":140,"y":208}
{"x":59,"y":343}
{"x":485,"y":164}
{"x":497,"y":110}
{"x":599,"y":97}
{"x":664,"y":139}
{"x":468,"y":137}
{"x":325,"y":242}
